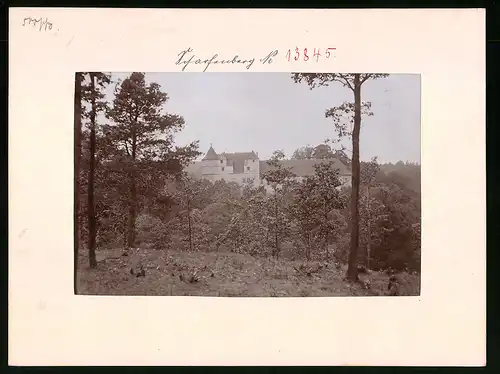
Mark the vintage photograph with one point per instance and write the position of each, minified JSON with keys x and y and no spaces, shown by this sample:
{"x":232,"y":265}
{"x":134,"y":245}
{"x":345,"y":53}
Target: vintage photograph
{"x":247,"y":184}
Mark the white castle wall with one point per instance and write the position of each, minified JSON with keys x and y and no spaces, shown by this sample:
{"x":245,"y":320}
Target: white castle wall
{"x":222,"y":169}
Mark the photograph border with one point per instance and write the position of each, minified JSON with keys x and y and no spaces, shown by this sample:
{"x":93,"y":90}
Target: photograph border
{"x":431,"y":330}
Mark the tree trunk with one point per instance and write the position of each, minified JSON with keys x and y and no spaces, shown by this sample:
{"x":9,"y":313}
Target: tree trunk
{"x":352,"y":270}
{"x":189,"y":226}
{"x":125,"y":232}
{"x":133,"y":192}
{"x":308,"y":250}
{"x":276,"y":238}
{"x":91,"y":184}
{"x":369,"y":230}
{"x":326,"y":230}
{"x":131,"y":213}
{"x":77,"y":157}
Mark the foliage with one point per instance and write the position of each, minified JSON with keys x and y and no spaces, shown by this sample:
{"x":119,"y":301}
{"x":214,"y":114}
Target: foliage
{"x":144,"y":135}
{"x":280,"y":178}
{"x":302,"y":153}
{"x":91,"y":95}
{"x":343,"y":116}
{"x":321,"y":151}
{"x":316,"y":197}
{"x":134,"y":153}
{"x":314,"y":80}
{"x":141,"y":186}
{"x":243,"y":219}
{"x":397,"y":246}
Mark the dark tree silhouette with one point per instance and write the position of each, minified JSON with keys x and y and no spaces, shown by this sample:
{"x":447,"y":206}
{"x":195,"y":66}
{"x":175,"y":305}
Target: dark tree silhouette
{"x":146,"y":134}
{"x":354,"y":83}
{"x":77,"y":157}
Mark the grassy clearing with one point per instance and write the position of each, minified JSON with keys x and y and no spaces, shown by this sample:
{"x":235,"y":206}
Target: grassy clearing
{"x":225,"y":274}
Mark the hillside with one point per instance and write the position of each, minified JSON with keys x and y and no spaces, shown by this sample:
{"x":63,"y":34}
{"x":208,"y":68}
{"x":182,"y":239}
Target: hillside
{"x":225,"y":274}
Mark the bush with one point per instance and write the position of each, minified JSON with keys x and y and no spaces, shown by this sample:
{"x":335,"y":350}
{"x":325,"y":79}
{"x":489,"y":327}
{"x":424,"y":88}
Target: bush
{"x":151,"y":231}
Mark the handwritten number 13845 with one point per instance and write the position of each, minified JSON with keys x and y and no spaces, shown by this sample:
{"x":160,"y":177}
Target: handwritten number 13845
{"x":306,"y":55}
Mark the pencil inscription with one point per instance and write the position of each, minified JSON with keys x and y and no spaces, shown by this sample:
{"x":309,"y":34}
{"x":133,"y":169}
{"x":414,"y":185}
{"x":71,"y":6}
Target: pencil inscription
{"x":38,"y":23}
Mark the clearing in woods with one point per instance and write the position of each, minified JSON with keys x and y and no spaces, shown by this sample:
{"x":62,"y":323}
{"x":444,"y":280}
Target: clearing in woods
{"x":170,"y":273}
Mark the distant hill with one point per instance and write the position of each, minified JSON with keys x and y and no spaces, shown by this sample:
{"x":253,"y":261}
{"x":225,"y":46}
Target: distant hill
{"x":404,"y":174}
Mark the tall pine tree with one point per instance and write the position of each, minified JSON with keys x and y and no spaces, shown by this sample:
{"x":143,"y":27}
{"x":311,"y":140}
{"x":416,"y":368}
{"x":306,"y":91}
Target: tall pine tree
{"x":93,"y":95}
{"x":145,"y":132}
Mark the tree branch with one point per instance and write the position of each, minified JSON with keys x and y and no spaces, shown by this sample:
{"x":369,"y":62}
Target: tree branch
{"x":366,"y":77}
{"x":126,"y":147}
{"x":347,"y":83}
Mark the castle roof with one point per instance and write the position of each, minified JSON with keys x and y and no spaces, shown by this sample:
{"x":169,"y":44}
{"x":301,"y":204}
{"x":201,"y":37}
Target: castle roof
{"x":305,"y":167}
{"x":241,"y":155}
{"x":237,"y":160}
{"x":211,"y":155}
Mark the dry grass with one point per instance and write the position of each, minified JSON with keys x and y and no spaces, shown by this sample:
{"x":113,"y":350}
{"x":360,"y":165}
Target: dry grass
{"x":224,"y":274}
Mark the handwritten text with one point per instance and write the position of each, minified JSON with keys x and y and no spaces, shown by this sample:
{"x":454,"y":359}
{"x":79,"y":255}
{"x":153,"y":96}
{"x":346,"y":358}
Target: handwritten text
{"x":38,"y":23}
{"x":187,"y":57}
{"x":309,"y":54}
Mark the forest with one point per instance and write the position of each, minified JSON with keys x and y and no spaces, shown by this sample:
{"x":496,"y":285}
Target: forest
{"x":145,"y":226}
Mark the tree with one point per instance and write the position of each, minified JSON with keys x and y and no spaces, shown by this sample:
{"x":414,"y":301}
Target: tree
{"x":344,"y":118}
{"x":278,"y":177}
{"x":305,"y":210}
{"x":327,"y":182}
{"x":92,"y":93}
{"x":417,"y":249}
{"x":370,"y":208}
{"x":395,"y":247}
{"x":303,"y":153}
{"x":316,"y":197}
{"x":77,"y":154}
{"x":190,"y":191}
{"x":110,"y":190}
{"x":342,"y":156}
{"x":323,"y":151}
{"x":373,"y":215}
{"x":354,"y":83}
{"x":145,"y":133}
{"x":202,"y":205}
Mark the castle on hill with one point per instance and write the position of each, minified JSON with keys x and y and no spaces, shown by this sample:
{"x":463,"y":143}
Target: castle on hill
{"x":240,"y":166}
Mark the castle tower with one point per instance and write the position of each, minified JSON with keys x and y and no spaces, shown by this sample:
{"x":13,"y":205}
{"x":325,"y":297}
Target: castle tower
{"x":211,"y":165}
{"x":252,"y":167}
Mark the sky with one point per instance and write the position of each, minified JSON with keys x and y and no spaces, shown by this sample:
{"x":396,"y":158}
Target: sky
{"x":241,"y":112}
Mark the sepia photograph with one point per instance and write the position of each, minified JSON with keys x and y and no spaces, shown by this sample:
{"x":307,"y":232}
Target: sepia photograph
{"x":216,"y":188}
{"x":247,"y":184}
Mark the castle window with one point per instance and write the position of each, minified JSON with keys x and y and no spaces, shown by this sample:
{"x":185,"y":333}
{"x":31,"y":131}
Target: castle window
{"x":248,"y":168}
{"x":223,"y":168}
{"x":253,"y":160}
{"x":221,"y":161}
